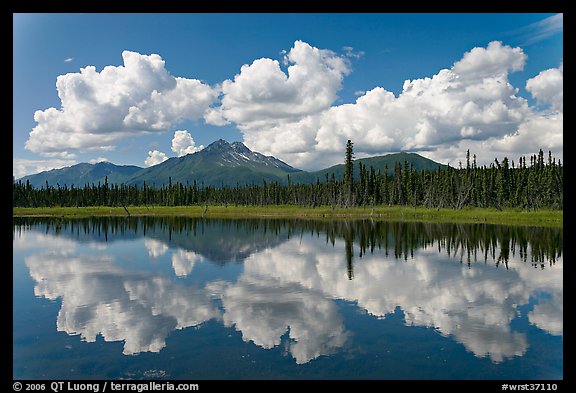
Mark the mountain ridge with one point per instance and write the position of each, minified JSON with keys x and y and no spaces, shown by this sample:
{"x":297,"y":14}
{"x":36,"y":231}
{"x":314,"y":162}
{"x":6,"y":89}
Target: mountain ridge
{"x":82,"y":174}
{"x":219,"y":164}
{"x":377,"y":162}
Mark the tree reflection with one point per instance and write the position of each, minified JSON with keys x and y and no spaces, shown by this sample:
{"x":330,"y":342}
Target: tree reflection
{"x":292,"y":271}
{"x":540,"y":246}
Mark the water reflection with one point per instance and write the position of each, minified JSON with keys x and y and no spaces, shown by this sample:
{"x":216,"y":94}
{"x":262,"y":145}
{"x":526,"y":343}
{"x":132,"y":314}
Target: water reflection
{"x":473,"y":305}
{"x":100,"y":298}
{"x":224,"y":241}
{"x":218,"y":240}
{"x":467,"y":282}
{"x":264,"y":309}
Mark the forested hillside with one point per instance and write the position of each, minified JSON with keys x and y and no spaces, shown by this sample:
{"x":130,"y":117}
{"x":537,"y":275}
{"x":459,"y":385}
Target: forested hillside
{"x":528,"y":184}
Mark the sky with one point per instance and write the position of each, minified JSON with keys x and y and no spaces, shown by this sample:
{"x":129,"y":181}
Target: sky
{"x":137,"y":89}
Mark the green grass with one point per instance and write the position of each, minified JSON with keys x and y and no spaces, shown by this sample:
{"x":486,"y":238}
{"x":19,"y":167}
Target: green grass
{"x":393,"y":213}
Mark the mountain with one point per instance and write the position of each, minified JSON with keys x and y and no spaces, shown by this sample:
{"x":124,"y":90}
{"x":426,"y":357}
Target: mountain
{"x":82,"y":174}
{"x":220,"y":163}
{"x":418,"y":162}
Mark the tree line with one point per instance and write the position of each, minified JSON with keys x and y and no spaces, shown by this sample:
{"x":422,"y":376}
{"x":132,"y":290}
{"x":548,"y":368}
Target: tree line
{"x":502,"y":184}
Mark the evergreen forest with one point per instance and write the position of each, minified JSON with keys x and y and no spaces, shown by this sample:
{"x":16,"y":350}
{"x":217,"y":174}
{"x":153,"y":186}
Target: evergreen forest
{"x":531,"y":184}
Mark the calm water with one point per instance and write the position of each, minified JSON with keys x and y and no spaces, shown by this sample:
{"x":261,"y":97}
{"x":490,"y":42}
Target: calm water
{"x":176,"y":298}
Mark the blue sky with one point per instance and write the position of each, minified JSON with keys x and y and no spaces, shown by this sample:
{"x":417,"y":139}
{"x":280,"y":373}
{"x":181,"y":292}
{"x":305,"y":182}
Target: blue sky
{"x":295,"y":86}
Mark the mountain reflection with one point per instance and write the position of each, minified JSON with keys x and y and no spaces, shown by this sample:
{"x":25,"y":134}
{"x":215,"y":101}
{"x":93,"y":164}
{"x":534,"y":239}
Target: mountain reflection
{"x":220,"y":241}
{"x":223,"y":241}
{"x":467,"y":282}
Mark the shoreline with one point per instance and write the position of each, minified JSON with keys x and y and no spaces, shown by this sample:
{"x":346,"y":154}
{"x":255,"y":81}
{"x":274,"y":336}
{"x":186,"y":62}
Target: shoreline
{"x":380,"y":213}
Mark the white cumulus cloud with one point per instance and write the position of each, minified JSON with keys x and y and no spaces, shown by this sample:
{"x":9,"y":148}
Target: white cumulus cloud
{"x":495,"y":60}
{"x":286,"y":108}
{"x":183,"y":143}
{"x":473,"y":100}
{"x":100,"y":108}
{"x":548,"y":87}
{"x":155,"y":157}
{"x":262,"y":93}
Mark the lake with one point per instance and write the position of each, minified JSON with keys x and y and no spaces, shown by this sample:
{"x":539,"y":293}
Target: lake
{"x":183,"y":298}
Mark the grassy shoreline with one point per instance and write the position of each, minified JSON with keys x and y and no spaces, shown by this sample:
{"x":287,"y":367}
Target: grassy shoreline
{"x":393,"y":213}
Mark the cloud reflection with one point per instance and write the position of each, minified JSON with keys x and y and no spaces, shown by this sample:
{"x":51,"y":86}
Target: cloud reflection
{"x":284,"y":295}
{"x":100,"y":298}
{"x":183,"y":262}
{"x":155,"y":247}
{"x":473,"y":305}
{"x":264,"y":310}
